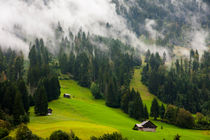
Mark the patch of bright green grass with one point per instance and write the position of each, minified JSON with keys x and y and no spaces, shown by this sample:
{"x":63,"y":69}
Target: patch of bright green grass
{"x":87,"y":117}
{"x":146,"y":96}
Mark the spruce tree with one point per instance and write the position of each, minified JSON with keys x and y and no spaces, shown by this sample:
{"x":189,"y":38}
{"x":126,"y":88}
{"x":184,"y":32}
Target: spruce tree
{"x":19,"y":67}
{"x":23,"y":90}
{"x":135,"y":108}
{"x":154,"y":109}
{"x":125,"y":101}
{"x":146,"y":114}
{"x":55,"y":87}
{"x":18,"y":109}
{"x":9,"y":96}
{"x":111,"y":94}
{"x":139,"y":106}
{"x":41,"y":103}
{"x":162,"y":111}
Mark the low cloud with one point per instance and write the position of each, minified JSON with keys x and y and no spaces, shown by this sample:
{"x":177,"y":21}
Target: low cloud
{"x":150,"y":25}
{"x":21,"y":21}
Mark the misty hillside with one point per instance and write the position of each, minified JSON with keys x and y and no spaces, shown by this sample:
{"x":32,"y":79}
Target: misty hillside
{"x":141,"y":23}
{"x":169,"y":22}
{"x":104,"y":69}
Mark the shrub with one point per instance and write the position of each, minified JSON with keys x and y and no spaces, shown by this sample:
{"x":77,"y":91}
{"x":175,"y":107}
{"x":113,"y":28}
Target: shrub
{"x":59,"y":135}
{"x":95,"y":90}
{"x":5,"y":124}
{"x":185,"y":119}
{"x":3,"y":133}
{"x":73,"y":136}
{"x":170,"y":114}
{"x":7,"y":138}
{"x":24,"y":133}
{"x":177,"y":137}
{"x":113,"y":136}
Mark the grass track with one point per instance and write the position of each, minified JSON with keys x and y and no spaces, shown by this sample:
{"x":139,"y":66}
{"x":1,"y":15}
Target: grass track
{"x":146,"y":96}
{"x":88,"y":117}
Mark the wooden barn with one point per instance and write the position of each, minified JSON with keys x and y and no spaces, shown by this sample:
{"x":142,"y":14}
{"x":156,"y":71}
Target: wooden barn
{"x":66,"y":95}
{"x":145,"y":126}
{"x":50,"y":111}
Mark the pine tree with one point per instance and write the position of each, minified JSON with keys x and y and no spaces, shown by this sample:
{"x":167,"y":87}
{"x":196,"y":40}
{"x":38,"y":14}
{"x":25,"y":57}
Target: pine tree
{"x":111,"y":94}
{"x":9,"y":95}
{"x":55,"y":87}
{"x":154,"y":109}
{"x":41,"y":103}
{"x":125,"y":101}
{"x":147,"y":56}
{"x":84,"y":76}
{"x":135,"y":108}
{"x":146,"y":114}
{"x":18,"y":109}
{"x":162,"y":111}
{"x":39,"y":63}
{"x":164,"y":58}
{"x":23,"y":90}
{"x":139,"y":106}
{"x":18,"y":66}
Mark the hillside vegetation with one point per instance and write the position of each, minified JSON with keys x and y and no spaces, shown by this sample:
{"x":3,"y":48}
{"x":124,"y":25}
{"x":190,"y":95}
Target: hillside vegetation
{"x":136,"y":83}
{"x":87,"y":116}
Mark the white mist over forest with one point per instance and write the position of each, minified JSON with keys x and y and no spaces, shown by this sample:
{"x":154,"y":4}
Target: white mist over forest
{"x":21,"y":21}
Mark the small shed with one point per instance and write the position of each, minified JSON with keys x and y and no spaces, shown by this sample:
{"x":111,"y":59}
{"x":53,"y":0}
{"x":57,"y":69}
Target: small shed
{"x":50,"y":111}
{"x":145,"y":126}
{"x":66,"y":95}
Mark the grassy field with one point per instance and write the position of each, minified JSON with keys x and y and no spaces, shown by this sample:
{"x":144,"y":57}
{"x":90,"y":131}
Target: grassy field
{"x":88,"y":117}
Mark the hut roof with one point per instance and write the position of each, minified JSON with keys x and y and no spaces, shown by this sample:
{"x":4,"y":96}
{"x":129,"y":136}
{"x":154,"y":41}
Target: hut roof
{"x":146,"y":124}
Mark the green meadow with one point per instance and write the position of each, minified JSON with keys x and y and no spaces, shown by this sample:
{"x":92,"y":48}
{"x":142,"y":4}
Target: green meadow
{"x":89,"y":117}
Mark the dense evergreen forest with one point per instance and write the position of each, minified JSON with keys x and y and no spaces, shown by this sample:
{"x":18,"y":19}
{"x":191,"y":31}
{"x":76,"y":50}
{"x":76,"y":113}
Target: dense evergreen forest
{"x":17,"y":95}
{"x":14,"y":101}
{"x":107,"y":71}
{"x":185,"y":83}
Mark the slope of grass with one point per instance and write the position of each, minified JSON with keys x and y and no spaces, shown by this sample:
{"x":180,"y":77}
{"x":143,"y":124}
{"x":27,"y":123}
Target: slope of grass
{"x":88,"y":117}
{"x":136,"y":83}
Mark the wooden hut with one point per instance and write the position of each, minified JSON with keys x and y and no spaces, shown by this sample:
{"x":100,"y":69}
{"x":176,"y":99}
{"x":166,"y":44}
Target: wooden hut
{"x":66,"y":95}
{"x":50,"y":111}
{"x":145,"y":126}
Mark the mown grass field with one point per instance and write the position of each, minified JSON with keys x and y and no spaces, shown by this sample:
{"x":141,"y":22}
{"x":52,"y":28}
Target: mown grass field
{"x":88,"y":117}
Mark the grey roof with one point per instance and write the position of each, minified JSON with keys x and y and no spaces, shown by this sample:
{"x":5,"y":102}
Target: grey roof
{"x":142,"y":124}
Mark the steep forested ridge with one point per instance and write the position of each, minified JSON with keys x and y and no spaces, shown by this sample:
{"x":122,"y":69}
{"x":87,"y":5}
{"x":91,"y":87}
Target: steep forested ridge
{"x":172,"y":19}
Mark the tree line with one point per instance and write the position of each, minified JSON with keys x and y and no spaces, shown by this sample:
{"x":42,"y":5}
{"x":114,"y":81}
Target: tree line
{"x":24,"y":133}
{"x":132,"y":104}
{"x":20,"y":89}
{"x":42,"y":80}
{"x":14,"y":101}
{"x":185,"y":84}
{"x":179,"y":116}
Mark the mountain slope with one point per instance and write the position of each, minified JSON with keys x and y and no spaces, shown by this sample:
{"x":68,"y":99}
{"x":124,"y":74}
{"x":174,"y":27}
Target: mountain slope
{"x":168,"y":22}
{"x":136,"y":83}
{"x":88,"y":117}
